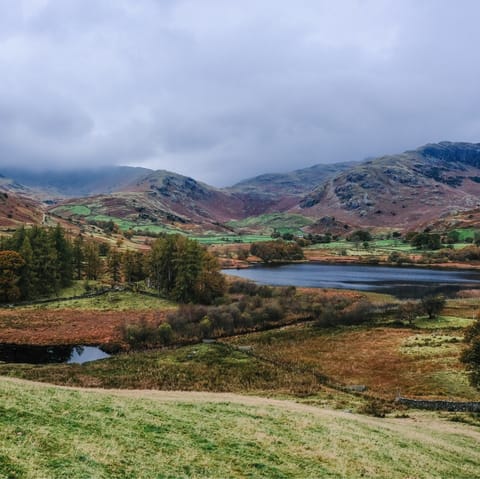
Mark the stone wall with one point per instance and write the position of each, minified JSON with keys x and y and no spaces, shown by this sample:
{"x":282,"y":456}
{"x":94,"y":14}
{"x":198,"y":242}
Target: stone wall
{"x":440,"y":405}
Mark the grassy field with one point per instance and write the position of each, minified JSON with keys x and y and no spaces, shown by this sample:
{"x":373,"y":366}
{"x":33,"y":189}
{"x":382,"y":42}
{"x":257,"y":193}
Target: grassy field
{"x":378,"y":357}
{"x":267,"y":223}
{"x":112,"y":301}
{"x":47,"y":432}
{"x":296,"y":361}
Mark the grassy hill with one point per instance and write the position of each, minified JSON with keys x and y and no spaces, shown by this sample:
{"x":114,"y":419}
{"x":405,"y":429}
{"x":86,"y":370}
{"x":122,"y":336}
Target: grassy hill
{"x":53,"y":432}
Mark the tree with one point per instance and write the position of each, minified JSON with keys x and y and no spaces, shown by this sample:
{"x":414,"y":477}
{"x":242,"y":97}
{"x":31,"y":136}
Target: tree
{"x":360,"y":236}
{"x":270,"y":251}
{"x":408,"y":311}
{"x":64,"y":256}
{"x":11,"y":264}
{"x":453,"y":237}
{"x":93,"y":263}
{"x":432,"y":305}
{"x":426,"y":241}
{"x":471,"y":355}
{"x":183,"y":270}
{"x":78,"y":257}
{"x":134,"y":266}
{"x":114,"y":262}
{"x":27,"y":279}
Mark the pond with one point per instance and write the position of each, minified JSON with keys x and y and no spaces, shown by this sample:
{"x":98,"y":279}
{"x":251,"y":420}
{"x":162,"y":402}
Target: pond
{"x":25,"y":353}
{"x":399,"y":281}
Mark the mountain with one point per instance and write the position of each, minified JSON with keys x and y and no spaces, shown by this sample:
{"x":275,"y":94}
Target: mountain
{"x":406,"y":191}
{"x":157,"y":201}
{"x":75,"y":182}
{"x":16,"y":205}
{"x":274,"y":192}
{"x":403,"y":190}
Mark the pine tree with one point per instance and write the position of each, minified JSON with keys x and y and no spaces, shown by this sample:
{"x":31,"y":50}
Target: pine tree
{"x":27,"y":279}
{"x":114,"y":261}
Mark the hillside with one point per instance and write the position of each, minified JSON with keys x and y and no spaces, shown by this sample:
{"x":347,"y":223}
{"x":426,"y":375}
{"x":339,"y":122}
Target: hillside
{"x":277,"y":192}
{"x":76,"y":182}
{"x":16,"y":206}
{"x":404,"y":190}
{"x":146,"y":434}
{"x":157,"y":202}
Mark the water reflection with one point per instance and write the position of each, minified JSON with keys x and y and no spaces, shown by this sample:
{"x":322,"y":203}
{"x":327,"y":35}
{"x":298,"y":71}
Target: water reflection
{"x":402,"y":282}
{"x":30,"y":354}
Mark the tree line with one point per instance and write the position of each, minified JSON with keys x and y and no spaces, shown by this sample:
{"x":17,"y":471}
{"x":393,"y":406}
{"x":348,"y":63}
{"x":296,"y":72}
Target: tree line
{"x":39,"y":262}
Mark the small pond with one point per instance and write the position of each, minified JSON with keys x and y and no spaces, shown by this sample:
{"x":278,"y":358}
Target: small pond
{"x":25,"y":353}
{"x":399,"y":281}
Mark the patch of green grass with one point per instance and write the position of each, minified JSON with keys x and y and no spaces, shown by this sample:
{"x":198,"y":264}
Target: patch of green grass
{"x":465,"y":233}
{"x":430,"y":345}
{"x":78,"y":210}
{"x":229,"y":239}
{"x":443,"y":322}
{"x":282,"y":222}
{"x":55,"y":433}
{"x":114,"y":301}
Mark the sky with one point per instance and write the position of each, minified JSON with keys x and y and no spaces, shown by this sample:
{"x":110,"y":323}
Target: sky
{"x":222,"y":90}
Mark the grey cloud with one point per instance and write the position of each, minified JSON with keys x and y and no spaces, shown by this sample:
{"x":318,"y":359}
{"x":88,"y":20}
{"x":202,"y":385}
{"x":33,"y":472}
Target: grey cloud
{"x":223,"y":90}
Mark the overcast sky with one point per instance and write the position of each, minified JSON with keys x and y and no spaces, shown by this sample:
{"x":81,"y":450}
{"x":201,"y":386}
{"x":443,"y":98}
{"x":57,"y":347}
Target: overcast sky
{"x":226,"y":89}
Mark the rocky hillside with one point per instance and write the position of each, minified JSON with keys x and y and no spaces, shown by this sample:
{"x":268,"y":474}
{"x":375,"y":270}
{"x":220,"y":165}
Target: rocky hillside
{"x":404,"y":190}
{"x":16,"y":205}
{"x":408,"y":190}
{"x":277,"y":192}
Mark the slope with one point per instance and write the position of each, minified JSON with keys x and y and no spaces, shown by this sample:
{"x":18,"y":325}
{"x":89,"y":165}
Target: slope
{"x":75,"y":182}
{"x":147,"y":434}
{"x":404,"y":190}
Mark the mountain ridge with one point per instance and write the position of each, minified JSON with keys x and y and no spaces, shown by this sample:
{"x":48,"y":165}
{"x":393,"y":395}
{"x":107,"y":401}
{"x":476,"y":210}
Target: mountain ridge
{"x":405,"y":190}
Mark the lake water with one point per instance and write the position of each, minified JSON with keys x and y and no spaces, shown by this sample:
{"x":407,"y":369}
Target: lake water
{"x":24,"y":353}
{"x":402,"y":282}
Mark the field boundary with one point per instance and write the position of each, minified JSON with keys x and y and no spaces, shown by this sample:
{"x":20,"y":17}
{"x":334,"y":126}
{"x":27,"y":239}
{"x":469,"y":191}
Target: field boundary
{"x":434,"y":405}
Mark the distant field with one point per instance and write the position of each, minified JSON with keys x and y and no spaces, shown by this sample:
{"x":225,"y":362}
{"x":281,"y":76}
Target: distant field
{"x":280,"y":222}
{"x":57,"y":433}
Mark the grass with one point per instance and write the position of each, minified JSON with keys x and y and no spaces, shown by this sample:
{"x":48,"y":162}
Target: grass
{"x":372,"y":356}
{"x":202,"y":367}
{"x":78,"y":210}
{"x":114,"y":301}
{"x":465,"y":233}
{"x":443,"y":322}
{"x":226,"y":239}
{"x":289,"y":361}
{"x":78,"y":434}
{"x":281,"y":222}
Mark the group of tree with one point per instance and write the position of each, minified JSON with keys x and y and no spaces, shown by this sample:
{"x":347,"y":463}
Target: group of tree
{"x":183,"y":270}
{"x":471,"y":354}
{"x":431,"y":305}
{"x":425,"y":240}
{"x":35,"y":262}
{"x":273,"y":251}
{"x":39,"y":262}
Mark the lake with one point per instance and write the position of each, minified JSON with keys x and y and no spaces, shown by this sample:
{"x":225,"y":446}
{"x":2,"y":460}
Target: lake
{"x":402,"y":282}
{"x":31,"y":354}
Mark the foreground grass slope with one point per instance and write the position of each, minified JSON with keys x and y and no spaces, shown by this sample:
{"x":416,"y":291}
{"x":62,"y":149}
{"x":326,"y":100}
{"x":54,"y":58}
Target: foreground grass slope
{"x":52,"y":432}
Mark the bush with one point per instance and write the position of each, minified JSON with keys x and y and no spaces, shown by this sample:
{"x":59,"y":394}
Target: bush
{"x":144,"y":334}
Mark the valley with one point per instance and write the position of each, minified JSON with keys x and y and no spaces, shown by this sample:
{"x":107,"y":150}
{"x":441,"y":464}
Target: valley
{"x":130,"y":263}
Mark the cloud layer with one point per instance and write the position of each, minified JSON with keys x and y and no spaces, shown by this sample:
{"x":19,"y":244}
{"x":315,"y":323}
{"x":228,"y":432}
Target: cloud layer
{"x":222,"y":90}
